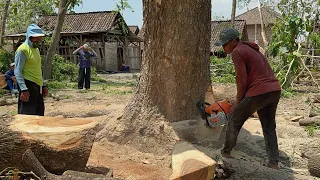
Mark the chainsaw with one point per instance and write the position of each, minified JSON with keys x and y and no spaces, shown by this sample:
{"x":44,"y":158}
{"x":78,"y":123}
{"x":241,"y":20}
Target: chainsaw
{"x":215,"y":114}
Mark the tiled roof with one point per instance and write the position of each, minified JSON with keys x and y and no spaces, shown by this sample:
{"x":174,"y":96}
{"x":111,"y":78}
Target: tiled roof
{"x":99,"y":21}
{"x":134,"y":29}
{"x":253,"y":16}
{"x":217,"y":26}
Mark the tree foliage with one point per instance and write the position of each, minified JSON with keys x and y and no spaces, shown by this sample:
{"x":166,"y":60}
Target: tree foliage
{"x":295,"y":26}
{"x":24,"y":12}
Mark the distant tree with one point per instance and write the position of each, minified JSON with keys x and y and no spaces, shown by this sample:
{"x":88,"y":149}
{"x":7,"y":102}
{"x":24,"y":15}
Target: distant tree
{"x":3,"y":21}
{"x":64,"y":6}
{"x":233,"y":12}
{"x":24,"y":12}
{"x":296,"y":25}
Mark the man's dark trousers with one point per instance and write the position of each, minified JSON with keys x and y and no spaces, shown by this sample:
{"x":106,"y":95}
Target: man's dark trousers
{"x":35,"y":105}
{"x":84,"y":77}
{"x":266,"y":106}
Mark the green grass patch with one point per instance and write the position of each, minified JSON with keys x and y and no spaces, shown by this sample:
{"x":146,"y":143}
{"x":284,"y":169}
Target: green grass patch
{"x":287,"y":93}
{"x":312,"y":128}
{"x":2,"y":92}
{"x":61,"y":85}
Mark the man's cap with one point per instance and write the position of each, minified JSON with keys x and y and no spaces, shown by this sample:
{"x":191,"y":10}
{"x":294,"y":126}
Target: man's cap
{"x":227,"y":35}
{"x":12,"y":64}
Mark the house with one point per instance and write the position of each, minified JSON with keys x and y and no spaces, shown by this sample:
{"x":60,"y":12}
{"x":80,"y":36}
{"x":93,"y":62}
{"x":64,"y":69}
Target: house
{"x":105,"y":31}
{"x":218,"y":26}
{"x":134,"y":29}
{"x":253,"y":23}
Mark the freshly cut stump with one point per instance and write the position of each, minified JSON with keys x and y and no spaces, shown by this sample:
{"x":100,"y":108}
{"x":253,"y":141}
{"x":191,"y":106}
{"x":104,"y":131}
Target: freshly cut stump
{"x":188,"y":163}
{"x":314,"y":165}
{"x":59,"y":144}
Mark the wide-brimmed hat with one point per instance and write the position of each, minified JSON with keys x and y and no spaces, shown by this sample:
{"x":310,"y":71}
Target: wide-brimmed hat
{"x":227,"y":35}
{"x":3,"y":82}
{"x":12,"y":64}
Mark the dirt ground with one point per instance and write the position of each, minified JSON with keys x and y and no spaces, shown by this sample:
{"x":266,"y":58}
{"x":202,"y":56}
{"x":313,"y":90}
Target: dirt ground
{"x":106,"y":101}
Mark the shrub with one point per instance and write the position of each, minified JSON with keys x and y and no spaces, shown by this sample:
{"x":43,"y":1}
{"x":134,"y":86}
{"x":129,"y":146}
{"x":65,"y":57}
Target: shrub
{"x":63,"y":70}
{"x":5,"y":59}
{"x":222,"y":70}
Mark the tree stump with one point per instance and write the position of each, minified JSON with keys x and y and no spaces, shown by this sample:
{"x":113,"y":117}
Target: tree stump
{"x":59,"y":144}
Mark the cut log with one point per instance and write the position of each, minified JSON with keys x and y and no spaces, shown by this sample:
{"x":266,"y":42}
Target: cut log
{"x":188,"y":163}
{"x":31,"y":163}
{"x":59,"y":144}
{"x":314,"y":165}
{"x":309,"y":121}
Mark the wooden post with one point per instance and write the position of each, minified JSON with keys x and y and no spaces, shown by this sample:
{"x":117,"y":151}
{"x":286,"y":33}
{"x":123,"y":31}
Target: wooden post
{"x":255,"y":33}
{"x":103,"y":47}
{"x":125,"y":54}
{"x":13,"y":45}
{"x":103,"y":53}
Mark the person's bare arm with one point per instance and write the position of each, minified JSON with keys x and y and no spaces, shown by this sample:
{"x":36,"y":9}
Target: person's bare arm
{"x":94,"y":53}
{"x":77,"y":50}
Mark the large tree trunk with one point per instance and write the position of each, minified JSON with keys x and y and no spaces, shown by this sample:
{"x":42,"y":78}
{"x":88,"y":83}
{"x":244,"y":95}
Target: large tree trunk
{"x":59,"y":144}
{"x":3,"y":21}
{"x":63,"y":6}
{"x":233,"y":13}
{"x":174,"y":74}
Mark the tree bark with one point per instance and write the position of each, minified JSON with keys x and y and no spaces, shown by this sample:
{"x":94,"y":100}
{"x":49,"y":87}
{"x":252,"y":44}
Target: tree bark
{"x":63,"y":6}
{"x":233,"y":13}
{"x":174,"y":73}
{"x":3,"y":21}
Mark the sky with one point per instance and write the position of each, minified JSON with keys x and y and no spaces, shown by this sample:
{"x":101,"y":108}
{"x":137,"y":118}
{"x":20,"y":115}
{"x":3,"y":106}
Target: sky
{"x":220,"y":8}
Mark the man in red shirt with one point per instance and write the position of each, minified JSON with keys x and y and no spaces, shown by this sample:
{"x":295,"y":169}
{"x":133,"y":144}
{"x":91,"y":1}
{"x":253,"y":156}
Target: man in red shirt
{"x":258,"y":89}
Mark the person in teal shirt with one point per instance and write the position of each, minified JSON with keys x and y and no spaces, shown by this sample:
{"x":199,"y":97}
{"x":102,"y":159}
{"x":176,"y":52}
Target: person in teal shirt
{"x":28,"y":73}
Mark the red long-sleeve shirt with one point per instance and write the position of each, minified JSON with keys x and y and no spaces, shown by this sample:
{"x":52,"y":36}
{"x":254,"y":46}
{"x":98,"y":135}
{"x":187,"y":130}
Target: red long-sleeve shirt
{"x":254,"y":75}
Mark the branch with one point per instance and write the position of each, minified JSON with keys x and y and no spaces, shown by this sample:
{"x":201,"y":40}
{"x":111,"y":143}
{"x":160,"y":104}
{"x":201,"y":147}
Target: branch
{"x":287,"y":74}
{"x":304,"y":65}
{"x":281,"y":70}
{"x":297,"y":76}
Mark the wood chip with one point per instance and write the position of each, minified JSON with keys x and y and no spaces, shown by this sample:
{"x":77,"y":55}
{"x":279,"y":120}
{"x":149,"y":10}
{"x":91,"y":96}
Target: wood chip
{"x":296,"y":118}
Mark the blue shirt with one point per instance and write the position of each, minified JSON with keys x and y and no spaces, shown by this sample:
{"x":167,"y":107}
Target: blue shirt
{"x":9,"y":74}
{"x":84,"y":58}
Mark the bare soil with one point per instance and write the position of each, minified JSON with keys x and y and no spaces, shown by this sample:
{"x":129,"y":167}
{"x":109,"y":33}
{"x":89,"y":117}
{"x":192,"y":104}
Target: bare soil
{"x":106,"y":102}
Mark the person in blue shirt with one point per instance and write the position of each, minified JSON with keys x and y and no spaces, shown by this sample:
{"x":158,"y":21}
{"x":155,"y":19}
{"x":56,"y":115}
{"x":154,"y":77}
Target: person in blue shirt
{"x":84,"y":53}
{"x":11,"y":80}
